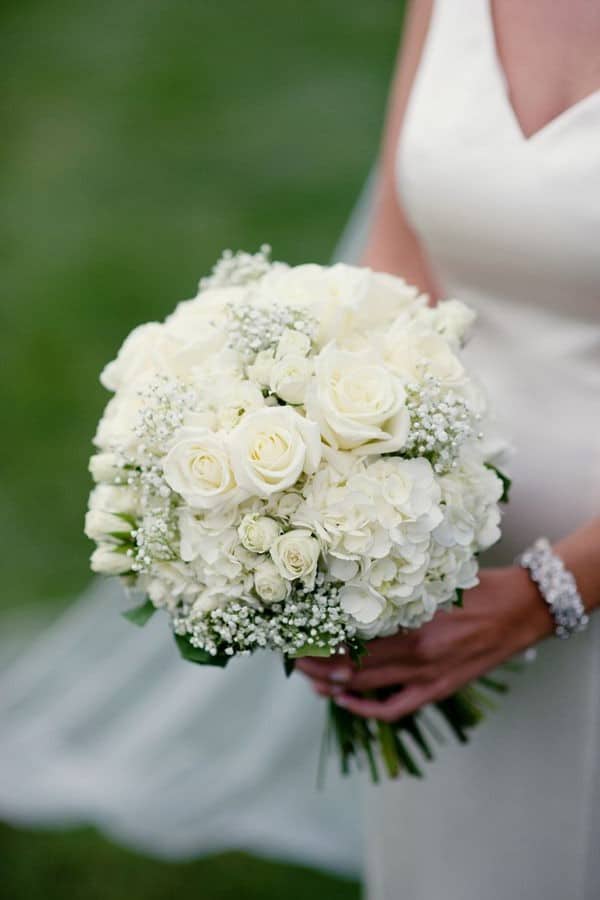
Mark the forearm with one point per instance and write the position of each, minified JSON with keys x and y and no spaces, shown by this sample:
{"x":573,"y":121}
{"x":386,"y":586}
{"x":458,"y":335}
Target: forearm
{"x":580,"y":552}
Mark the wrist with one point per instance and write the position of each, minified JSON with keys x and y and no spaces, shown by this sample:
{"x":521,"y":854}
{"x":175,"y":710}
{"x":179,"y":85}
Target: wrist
{"x":535,"y":619}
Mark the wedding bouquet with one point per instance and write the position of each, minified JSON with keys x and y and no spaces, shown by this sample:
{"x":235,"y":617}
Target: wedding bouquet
{"x":295,"y":460}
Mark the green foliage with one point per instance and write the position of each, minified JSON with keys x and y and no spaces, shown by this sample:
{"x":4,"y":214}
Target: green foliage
{"x":198,"y":656}
{"x":506,"y":482}
{"x":139,"y":615}
{"x":311,"y":650}
{"x":288,"y":666}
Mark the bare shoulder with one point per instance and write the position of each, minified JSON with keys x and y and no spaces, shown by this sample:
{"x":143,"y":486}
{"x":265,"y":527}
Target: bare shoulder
{"x":392,"y":245}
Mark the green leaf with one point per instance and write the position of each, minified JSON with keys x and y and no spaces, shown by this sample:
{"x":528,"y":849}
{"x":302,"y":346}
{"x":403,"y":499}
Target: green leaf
{"x":357,"y":648}
{"x":493,"y":684}
{"x":459,"y":597}
{"x":310,"y":650}
{"x":199,"y":656}
{"x":124,"y":536}
{"x":389,"y":746}
{"x":506,"y":482}
{"x":139,"y":615}
{"x":288,"y":666}
{"x":406,"y":758}
{"x":127,"y":517}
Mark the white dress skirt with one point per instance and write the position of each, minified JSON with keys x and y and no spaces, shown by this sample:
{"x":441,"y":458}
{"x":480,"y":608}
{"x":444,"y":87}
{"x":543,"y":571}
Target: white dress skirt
{"x":511,"y":225}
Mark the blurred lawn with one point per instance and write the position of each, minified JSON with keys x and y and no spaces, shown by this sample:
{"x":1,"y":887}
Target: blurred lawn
{"x":140,"y":138}
{"x":46,"y":866}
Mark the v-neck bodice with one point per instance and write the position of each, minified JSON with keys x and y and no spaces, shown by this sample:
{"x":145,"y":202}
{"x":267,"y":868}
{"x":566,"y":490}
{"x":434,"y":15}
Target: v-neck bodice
{"x":561,"y":119}
{"x":501,"y":216}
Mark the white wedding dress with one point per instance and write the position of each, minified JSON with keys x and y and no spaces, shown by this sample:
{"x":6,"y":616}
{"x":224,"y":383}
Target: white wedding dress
{"x":512,"y":226}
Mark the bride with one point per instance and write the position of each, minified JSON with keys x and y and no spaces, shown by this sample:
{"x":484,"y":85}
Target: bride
{"x":490,"y":191}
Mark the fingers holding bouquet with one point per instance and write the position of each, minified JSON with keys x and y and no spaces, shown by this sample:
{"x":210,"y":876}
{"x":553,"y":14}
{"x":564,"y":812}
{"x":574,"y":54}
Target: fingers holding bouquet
{"x":400,"y":674}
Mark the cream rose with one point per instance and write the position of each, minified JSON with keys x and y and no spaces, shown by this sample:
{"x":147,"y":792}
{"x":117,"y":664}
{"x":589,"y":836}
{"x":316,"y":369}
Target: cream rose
{"x":203,"y":313}
{"x":295,"y":554}
{"x":289,"y":377}
{"x":347,"y":300}
{"x":413,"y":356}
{"x":257,"y":533}
{"x":114,"y":499}
{"x":107,"y":560}
{"x":103,"y":526}
{"x":292,"y":341}
{"x":271,"y":448}
{"x":235,"y":401}
{"x":268,"y":583}
{"x":357,"y":402}
{"x":198,"y":468}
{"x":144,"y":351}
{"x":116,"y":427}
{"x":260,"y":370}
{"x":105,"y":467}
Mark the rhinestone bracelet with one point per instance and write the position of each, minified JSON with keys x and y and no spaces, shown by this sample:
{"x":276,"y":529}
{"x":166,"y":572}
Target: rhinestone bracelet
{"x":557,"y":587}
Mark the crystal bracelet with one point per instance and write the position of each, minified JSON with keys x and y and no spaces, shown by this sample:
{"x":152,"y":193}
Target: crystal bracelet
{"x":557,"y":587}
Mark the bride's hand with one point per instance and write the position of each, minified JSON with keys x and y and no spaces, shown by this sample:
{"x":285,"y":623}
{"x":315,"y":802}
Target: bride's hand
{"x":502,"y":616}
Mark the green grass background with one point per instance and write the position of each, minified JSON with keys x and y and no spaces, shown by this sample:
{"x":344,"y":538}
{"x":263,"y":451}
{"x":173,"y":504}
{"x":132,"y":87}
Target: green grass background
{"x":140,"y":138}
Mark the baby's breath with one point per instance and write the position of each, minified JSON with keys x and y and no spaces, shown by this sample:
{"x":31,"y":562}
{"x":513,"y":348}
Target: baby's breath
{"x":252,"y":329}
{"x":238,"y":268}
{"x":167,"y":400}
{"x":308,"y":619}
{"x":440,"y":423}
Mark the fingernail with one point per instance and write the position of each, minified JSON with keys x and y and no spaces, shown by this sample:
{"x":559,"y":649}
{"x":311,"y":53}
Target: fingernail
{"x":340,"y":675}
{"x":340,"y":701}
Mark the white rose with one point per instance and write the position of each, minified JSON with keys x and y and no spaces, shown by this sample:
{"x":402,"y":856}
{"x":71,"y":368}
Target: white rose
{"x":362,"y":602}
{"x":114,"y":498}
{"x":268,"y":583}
{"x":294,"y":342}
{"x":105,"y":467}
{"x":235,"y":401}
{"x":144,"y":350}
{"x":346,"y":300}
{"x":203,"y":313}
{"x":289,"y":377}
{"x":260,"y":370}
{"x":295,"y":554}
{"x":357,"y":402}
{"x":270,"y":449}
{"x":257,"y":533}
{"x":102,"y":526}
{"x":198,"y":468}
{"x":413,"y":356}
{"x":108,"y":561}
{"x":116,"y":427}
